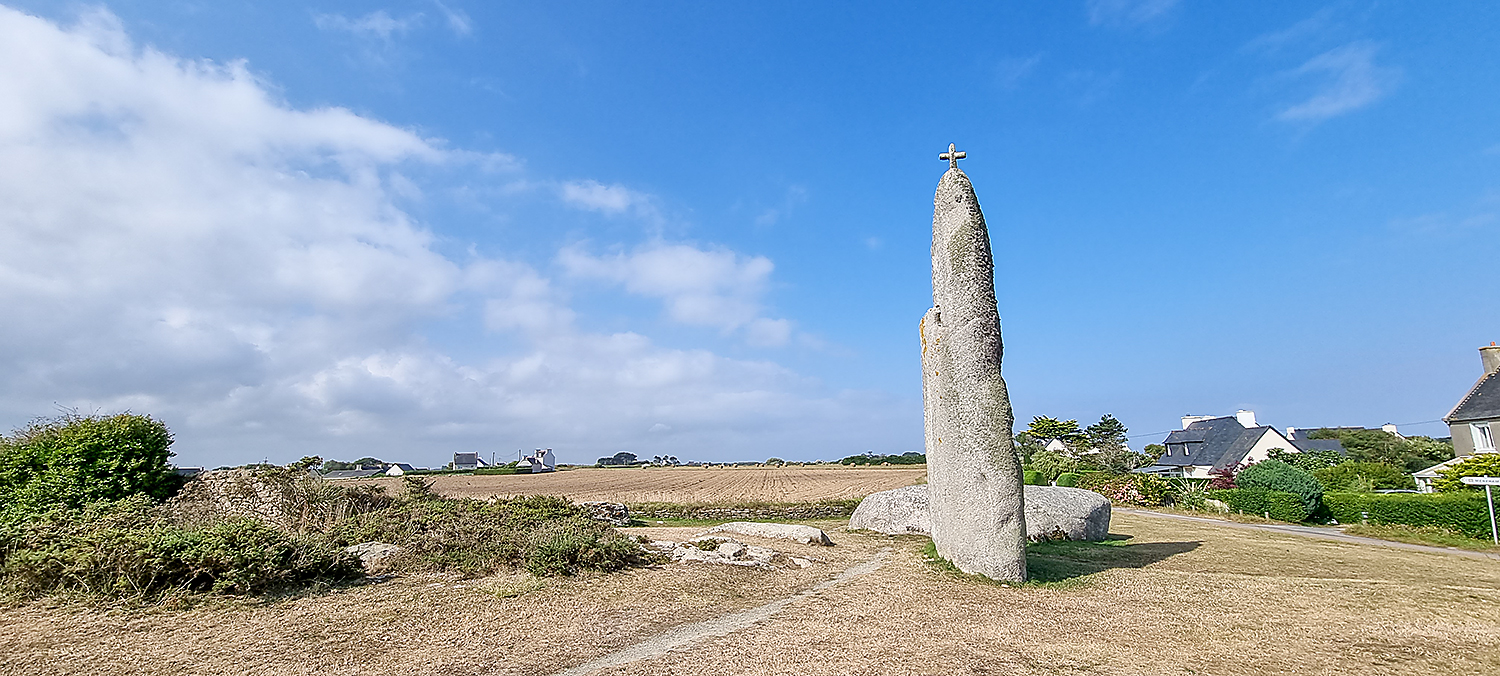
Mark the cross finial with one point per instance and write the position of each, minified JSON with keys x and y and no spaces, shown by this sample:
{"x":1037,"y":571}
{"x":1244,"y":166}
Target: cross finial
{"x":953,"y":156}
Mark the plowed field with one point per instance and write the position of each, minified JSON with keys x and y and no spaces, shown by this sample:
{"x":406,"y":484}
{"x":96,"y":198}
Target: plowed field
{"x":685,"y":484}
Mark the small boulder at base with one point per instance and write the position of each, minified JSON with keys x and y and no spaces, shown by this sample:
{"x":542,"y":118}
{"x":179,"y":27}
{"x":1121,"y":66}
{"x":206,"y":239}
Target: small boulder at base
{"x":1052,"y":513}
{"x":612,"y":513}
{"x":374,"y":556}
{"x":806,"y":535}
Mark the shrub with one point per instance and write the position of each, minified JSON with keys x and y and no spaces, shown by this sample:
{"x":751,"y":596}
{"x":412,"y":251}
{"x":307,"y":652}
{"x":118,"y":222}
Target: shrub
{"x":1310,"y":461}
{"x":1034,"y":478}
{"x":546,"y":535}
{"x":1279,"y":505}
{"x":1479,"y":464}
{"x":1274,"y":475}
{"x":1128,"y":489}
{"x":1067,"y":479}
{"x":125,"y":549}
{"x":1374,"y":475}
{"x":73,"y":460}
{"x":1051,"y":464}
{"x":1465,"y":512}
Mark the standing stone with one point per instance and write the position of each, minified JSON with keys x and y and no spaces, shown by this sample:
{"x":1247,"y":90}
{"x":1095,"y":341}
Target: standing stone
{"x":974,"y":476}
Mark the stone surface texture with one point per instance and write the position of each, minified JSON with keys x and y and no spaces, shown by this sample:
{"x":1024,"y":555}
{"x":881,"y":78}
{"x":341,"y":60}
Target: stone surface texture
{"x":376,"y":556}
{"x":613,"y":513}
{"x":806,"y":535}
{"x":723,"y":551}
{"x":978,"y":517}
{"x":1052,"y":513}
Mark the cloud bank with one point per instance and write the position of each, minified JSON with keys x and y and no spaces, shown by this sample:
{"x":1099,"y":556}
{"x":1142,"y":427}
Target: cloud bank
{"x":176,"y":240}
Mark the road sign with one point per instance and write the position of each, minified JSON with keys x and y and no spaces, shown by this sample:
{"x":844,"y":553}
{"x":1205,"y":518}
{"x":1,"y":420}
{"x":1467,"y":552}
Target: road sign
{"x":1481,"y":480}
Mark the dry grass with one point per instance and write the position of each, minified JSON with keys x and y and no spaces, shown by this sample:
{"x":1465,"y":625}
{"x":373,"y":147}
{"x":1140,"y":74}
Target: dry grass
{"x":690,"y":485}
{"x":1173,"y":598}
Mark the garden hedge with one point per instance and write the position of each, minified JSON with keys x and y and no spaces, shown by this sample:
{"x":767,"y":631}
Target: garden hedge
{"x":1067,"y":479}
{"x":1280,"y":505}
{"x":1464,"y":512}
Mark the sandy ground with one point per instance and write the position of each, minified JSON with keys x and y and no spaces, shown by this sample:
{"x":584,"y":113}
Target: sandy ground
{"x":1170,"y":597}
{"x":685,"y":484}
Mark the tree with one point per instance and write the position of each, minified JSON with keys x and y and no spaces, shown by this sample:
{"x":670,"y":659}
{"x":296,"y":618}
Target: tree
{"x":1411,"y":454}
{"x":1155,"y":451}
{"x":1360,"y":477}
{"x":1027,"y":446}
{"x":1479,"y":464}
{"x":1043,"y":429}
{"x":74,"y":460}
{"x":1050,"y":464}
{"x":1274,"y":475}
{"x":1309,"y":461}
{"x":1107,"y":434}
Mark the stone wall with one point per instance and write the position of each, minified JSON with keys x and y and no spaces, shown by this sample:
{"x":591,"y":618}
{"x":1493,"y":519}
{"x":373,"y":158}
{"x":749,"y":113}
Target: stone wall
{"x":830,"y":509}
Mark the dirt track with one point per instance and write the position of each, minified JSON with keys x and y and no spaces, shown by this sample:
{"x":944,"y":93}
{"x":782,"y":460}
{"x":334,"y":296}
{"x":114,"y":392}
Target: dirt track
{"x":1172,"y":598}
{"x":685,"y":484}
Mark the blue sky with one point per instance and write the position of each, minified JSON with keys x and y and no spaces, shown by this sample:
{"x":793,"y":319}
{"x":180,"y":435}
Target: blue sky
{"x":409,"y":228}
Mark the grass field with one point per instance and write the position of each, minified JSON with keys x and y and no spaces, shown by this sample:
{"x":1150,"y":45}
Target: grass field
{"x":690,"y":485}
{"x":1164,"y":597}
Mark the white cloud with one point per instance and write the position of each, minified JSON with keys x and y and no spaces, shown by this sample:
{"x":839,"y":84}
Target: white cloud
{"x":595,"y":196}
{"x":457,"y":19}
{"x":703,"y":287}
{"x":1125,"y":13}
{"x":378,"y":24}
{"x":1348,"y":80}
{"x":175,"y":240}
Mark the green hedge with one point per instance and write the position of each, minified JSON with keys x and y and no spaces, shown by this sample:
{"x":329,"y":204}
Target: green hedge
{"x":1280,"y":505}
{"x":1466,"y":513}
{"x":1034,"y":478}
{"x":1067,"y":479}
{"x":487,"y":471}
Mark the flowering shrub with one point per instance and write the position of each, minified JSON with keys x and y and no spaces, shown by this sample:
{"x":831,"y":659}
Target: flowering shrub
{"x":1128,"y":489}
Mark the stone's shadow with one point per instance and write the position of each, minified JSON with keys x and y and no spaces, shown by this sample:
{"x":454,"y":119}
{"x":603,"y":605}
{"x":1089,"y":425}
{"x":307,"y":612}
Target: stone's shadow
{"x":1059,"y":561}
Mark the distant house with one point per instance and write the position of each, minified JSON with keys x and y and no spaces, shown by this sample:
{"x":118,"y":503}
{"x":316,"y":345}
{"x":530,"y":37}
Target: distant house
{"x":351,"y":473}
{"x":1208,"y":443}
{"x":542,"y":460}
{"x":468,"y":462}
{"x":1471,"y":419}
{"x":1298,"y":437}
{"x":398,"y":469}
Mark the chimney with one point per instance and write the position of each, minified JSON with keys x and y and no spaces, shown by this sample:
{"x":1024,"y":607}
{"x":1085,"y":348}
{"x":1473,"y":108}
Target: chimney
{"x":1489,"y":355}
{"x":1291,"y":433}
{"x":1246,"y":418}
{"x":1390,"y":429}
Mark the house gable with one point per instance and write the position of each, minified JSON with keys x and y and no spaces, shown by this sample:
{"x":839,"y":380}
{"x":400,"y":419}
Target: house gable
{"x":1480,"y":404}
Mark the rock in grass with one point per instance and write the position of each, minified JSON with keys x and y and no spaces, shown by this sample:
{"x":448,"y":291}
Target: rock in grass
{"x":612,"y":513}
{"x":1052,"y":513}
{"x":374,"y":556}
{"x":806,"y":535}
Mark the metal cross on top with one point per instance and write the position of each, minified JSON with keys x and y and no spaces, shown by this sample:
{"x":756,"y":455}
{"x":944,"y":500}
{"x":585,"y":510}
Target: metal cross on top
{"x":953,"y":156}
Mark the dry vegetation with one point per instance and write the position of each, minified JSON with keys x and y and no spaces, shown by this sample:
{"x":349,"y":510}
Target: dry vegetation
{"x":686,"y":484}
{"x":1173,"y":598}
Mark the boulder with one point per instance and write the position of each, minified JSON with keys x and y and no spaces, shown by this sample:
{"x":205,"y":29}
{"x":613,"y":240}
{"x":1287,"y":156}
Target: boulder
{"x":1052,"y":513}
{"x":725,"y":551}
{"x":612,"y":513}
{"x":374,"y":556}
{"x":806,"y":535}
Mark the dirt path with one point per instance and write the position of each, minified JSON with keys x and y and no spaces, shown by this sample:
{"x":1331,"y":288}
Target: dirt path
{"x":1322,"y":533}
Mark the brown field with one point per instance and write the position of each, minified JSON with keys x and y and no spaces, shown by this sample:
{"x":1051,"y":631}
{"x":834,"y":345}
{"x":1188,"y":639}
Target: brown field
{"x":685,"y":484}
{"x":1170,"y":597}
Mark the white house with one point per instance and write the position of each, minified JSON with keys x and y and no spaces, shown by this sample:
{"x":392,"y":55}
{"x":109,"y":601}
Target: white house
{"x":1206,"y":443}
{"x":542,"y":460}
{"x":398,"y":469}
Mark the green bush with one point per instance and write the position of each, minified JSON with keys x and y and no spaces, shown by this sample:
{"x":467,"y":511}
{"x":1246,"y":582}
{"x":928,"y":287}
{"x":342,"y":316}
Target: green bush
{"x":125,"y":549}
{"x":1277,"y":476}
{"x":1034,"y":478}
{"x":74,"y":460}
{"x":1479,"y":464}
{"x":546,"y":535}
{"x":1052,"y":464}
{"x":1465,"y":512}
{"x":1279,"y":505}
{"x":1128,"y":489}
{"x":1374,"y":475}
{"x":1068,"y":479}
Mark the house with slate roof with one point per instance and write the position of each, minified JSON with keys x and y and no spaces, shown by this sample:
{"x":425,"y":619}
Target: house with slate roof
{"x":1209,"y":443}
{"x":1472,"y":419}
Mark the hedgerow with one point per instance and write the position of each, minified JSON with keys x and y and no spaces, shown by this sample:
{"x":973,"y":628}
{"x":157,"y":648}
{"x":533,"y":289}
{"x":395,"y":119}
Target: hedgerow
{"x":1128,"y":489}
{"x":1279,"y":505}
{"x":1465,"y":512}
{"x":1274,"y":475}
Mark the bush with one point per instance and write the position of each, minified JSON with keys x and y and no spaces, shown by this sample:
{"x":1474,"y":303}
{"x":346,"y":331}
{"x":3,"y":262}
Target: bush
{"x":1464,"y":512}
{"x":1053,"y":464}
{"x":74,"y":460}
{"x":125,"y":549}
{"x":1067,"y":479}
{"x":1128,"y":489}
{"x":1479,"y":464}
{"x":546,"y":535}
{"x":1373,"y":475}
{"x":1033,"y":478}
{"x":1277,"y":476}
{"x":1279,"y":505}
{"x":1310,"y":461}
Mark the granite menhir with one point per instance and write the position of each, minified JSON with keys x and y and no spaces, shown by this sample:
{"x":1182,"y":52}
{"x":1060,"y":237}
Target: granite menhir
{"x":974,"y":477}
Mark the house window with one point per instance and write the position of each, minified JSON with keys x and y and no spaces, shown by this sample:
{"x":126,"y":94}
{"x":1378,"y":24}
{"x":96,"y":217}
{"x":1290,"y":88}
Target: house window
{"x":1482,"y":439}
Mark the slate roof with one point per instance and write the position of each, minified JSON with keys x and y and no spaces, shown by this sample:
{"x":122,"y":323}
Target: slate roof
{"x":1481,"y":403}
{"x":1217,"y":442}
{"x":1299,"y":439}
{"x":350,"y":473}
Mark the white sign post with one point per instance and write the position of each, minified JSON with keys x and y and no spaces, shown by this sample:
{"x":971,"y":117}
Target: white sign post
{"x":1489,"y":482}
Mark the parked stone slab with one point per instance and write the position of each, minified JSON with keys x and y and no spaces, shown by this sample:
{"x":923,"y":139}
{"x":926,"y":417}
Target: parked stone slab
{"x":806,"y":535}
